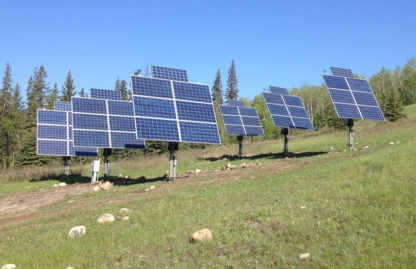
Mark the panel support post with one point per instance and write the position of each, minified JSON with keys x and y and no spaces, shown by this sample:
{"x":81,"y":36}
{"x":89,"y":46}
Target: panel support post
{"x":106,"y":153}
{"x":66,"y":166}
{"x":172,"y":146}
{"x":285,"y":132}
{"x":240,"y":145}
{"x":350,"y":123}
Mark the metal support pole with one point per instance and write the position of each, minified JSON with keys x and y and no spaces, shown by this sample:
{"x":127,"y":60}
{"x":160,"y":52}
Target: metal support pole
{"x":172,"y":165}
{"x":66,"y":166}
{"x":285,"y":132}
{"x":106,"y":172}
{"x":350,"y":123}
{"x":240,"y":145}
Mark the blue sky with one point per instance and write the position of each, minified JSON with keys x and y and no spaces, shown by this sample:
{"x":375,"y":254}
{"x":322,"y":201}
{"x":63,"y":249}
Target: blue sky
{"x":273,"y":43}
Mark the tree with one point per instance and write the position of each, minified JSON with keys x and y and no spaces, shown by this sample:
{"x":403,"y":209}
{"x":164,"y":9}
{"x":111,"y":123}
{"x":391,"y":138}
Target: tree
{"x":40,"y":86}
{"x":52,"y":97}
{"x":5,"y":115}
{"x":331,"y":118}
{"x":232,"y":83}
{"x":82,"y":93}
{"x":68,"y":90}
{"x":217,"y":89}
{"x":392,"y":106}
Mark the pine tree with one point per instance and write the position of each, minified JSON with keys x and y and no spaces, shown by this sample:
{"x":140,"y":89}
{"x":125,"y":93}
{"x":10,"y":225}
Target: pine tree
{"x":331,"y":118}
{"x":5,"y":115}
{"x":217,"y":89}
{"x":125,"y":95}
{"x":82,"y":93}
{"x":68,"y":90}
{"x":16,"y":123}
{"x":40,"y":86}
{"x":232,"y":83}
{"x":392,"y":106}
{"x":52,"y":97}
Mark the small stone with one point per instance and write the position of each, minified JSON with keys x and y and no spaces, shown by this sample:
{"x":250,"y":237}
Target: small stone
{"x":77,"y":231}
{"x":55,"y":185}
{"x":391,"y":143}
{"x":124,"y":211}
{"x":190,"y":172}
{"x":106,"y":185}
{"x":198,"y":170}
{"x":243,"y":165}
{"x":71,"y":201}
{"x":146,"y":190}
{"x":120,"y":175}
{"x":224,"y":159}
{"x":106,"y":217}
{"x":62,"y":184}
{"x":96,"y":188}
{"x":233,"y":167}
{"x":9,"y":266}
{"x":303,"y":207}
{"x":125,"y":218}
{"x":70,"y":267}
{"x":365,"y":147}
{"x":152,"y":188}
{"x":331,"y":148}
{"x":304,"y":256}
{"x":127,"y":177}
{"x":202,"y":235}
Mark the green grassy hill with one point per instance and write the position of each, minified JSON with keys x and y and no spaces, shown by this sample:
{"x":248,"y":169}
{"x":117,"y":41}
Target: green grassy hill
{"x":348,"y":209}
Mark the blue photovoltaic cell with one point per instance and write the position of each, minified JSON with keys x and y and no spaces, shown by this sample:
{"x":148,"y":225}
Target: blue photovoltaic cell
{"x":342,"y":72}
{"x":104,"y":123}
{"x":278,"y":90}
{"x":171,"y":109}
{"x":272,"y":98}
{"x":105,"y":94}
{"x":335,"y":82}
{"x":357,"y":101}
{"x":241,"y":120}
{"x":54,"y":133}
{"x":236,"y":103}
{"x":192,"y":92}
{"x":62,"y":106}
{"x":145,"y":86}
{"x":289,"y":113}
{"x":169,"y":73}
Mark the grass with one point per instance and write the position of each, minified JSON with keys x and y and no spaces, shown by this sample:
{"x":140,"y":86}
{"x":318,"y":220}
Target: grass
{"x":358,"y":209}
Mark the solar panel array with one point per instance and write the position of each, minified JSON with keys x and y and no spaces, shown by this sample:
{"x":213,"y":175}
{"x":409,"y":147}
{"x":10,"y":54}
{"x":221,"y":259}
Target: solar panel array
{"x":104,"y":124}
{"x":241,"y":120}
{"x":278,"y":90}
{"x":287,"y":111}
{"x":342,"y":72}
{"x":169,"y":73}
{"x":54,"y":133}
{"x":106,"y":94}
{"x":169,"y":110}
{"x":62,"y":106}
{"x":236,"y":103}
{"x":353,"y":98}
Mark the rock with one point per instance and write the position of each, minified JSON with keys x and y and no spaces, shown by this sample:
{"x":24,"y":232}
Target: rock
{"x":198,"y":170}
{"x":106,"y":217}
{"x":125,"y":218}
{"x":120,"y":175}
{"x":146,"y":190}
{"x":243,"y":165}
{"x":127,"y":177}
{"x":70,"y":267}
{"x":152,"y":188}
{"x":304,"y":256}
{"x":303,"y":207}
{"x":62,"y":184}
{"x":9,"y":266}
{"x":76,"y":231}
{"x":228,"y":165}
{"x":224,"y":159}
{"x":202,"y":235}
{"x":106,"y":185}
{"x":365,"y":147}
{"x":55,"y":185}
{"x":233,"y":167}
{"x":391,"y":143}
{"x":124,"y":211}
{"x":190,"y":172}
{"x":331,"y":148}
{"x":96,"y":188}
{"x":70,"y":201}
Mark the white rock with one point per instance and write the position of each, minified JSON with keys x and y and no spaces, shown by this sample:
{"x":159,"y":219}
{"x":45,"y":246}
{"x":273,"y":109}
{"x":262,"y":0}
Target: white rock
{"x":55,"y":185}
{"x":77,"y":231}
{"x":198,"y":170}
{"x":152,"y":188}
{"x":96,"y":188}
{"x":120,"y":175}
{"x":146,"y":190}
{"x":127,"y":177}
{"x":304,"y":256}
{"x":202,"y":235}
{"x":391,"y":143}
{"x":365,"y":147}
{"x":106,"y":185}
{"x":303,"y":207}
{"x":106,"y":217}
{"x":62,"y":184}
{"x":125,"y":218}
{"x":9,"y":266}
{"x":331,"y":148}
{"x":70,"y":267}
{"x":124,"y":211}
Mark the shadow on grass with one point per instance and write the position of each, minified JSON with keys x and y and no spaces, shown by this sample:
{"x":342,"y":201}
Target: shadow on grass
{"x":280,"y":155}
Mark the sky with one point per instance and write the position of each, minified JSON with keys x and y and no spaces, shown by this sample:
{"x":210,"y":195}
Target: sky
{"x":273,"y":43}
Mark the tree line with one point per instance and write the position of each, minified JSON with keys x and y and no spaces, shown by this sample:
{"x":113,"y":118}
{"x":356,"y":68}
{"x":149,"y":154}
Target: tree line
{"x":18,"y":118}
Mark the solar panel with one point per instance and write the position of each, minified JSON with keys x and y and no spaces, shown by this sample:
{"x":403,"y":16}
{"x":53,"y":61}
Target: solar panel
{"x":236,"y":103}
{"x":105,"y":94}
{"x":343,"y":72}
{"x":287,"y":111}
{"x":169,"y":110}
{"x":169,"y":73}
{"x":241,"y":120}
{"x":104,"y":124}
{"x":54,"y":134}
{"x":353,"y":98}
{"x":278,"y":90}
{"x":62,"y":106}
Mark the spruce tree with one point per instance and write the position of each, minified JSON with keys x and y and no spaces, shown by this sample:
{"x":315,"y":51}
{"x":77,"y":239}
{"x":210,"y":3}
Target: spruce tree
{"x":40,"y":86}
{"x":68,"y":90}
{"x":217,"y":89}
{"x":331,"y":118}
{"x":392,"y":106}
{"x":232,"y":83}
{"x":125,"y":95}
{"x":52,"y":96}
{"x":82,"y":93}
{"x":5,"y":116}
